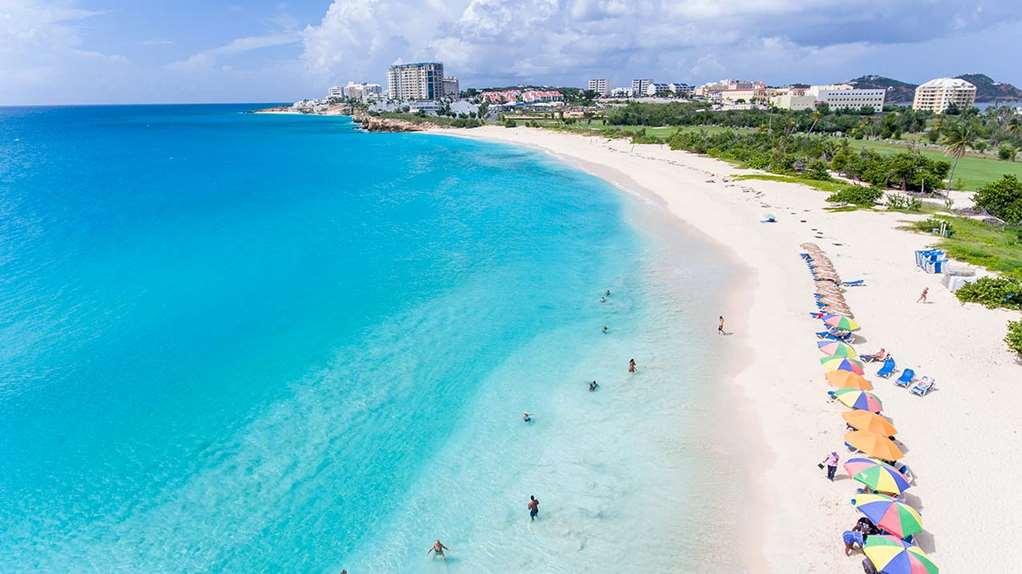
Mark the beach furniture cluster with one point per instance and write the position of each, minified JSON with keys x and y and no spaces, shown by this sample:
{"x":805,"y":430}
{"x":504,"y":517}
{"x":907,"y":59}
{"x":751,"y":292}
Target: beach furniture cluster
{"x":887,"y":532}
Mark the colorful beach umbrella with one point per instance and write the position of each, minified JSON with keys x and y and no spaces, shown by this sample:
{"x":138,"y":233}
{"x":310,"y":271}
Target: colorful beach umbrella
{"x":856,"y":399}
{"x":890,"y":555}
{"x":837,"y":349}
{"x":889,"y":515}
{"x":883,"y":479}
{"x":866,"y":421}
{"x":874,"y":444}
{"x":841,"y":322}
{"x":848,"y":380}
{"x":841,"y":364}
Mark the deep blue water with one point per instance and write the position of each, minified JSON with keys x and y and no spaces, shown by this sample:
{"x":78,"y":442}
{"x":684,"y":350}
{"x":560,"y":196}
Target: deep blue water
{"x":241,"y":343}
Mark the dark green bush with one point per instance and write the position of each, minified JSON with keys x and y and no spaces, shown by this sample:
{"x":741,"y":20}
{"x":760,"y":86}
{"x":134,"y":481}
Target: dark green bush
{"x":992,"y":292}
{"x":1002,"y":198}
{"x":1014,"y":336}
{"x":857,"y":195}
{"x":510,"y":123}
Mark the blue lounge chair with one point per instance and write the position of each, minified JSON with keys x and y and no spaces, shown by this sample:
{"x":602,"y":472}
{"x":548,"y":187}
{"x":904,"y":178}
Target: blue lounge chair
{"x":923,"y":387}
{"x":888,"y":369}
{"x":906,"y":378}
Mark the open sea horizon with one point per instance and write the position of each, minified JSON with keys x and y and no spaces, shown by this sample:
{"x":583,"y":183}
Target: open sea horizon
{"x":269,"y":343}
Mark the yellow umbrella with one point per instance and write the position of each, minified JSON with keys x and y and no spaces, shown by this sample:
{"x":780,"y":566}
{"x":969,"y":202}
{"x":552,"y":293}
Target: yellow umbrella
{"x":874,"y":445}
{"x":848,"y":380}
{"x":869,"y":422}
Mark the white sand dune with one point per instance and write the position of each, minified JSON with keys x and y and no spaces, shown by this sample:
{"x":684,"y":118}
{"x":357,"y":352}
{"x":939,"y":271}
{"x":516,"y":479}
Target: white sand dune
{"x":962,"y":441}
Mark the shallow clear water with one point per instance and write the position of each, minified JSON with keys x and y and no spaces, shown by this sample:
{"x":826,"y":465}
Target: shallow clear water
{"x":239,"y":343}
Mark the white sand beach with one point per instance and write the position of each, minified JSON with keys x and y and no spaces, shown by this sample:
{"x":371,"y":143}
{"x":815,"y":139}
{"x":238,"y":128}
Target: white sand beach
{"x":962,"y":440}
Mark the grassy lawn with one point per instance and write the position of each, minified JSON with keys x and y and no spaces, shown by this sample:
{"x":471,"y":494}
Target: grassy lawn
{"x":828,"y":186}
{"x":997,"y":249}
{"x":973,"y":171}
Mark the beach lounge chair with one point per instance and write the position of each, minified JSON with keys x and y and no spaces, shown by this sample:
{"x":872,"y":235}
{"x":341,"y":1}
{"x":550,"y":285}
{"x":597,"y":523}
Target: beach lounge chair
{"x":906,"y":378}
{"x":923,"y":387}
{"x":888,"y":369}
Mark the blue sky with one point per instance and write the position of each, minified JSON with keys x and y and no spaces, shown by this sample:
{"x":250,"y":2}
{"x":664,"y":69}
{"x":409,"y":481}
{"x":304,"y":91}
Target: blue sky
{"x":101,"y":51}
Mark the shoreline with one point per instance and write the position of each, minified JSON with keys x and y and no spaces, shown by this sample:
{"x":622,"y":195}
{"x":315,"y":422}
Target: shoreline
{"x":793,"y":421}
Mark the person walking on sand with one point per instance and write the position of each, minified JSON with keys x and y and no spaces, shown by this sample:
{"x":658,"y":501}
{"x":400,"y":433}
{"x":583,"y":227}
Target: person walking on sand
{"x":720,"y":326}
{"x":631,"y":365}
{"x":438,"y":549}
{"x":922,"y":296}
{"x":533,"y":508}
{"x":831,"y":464}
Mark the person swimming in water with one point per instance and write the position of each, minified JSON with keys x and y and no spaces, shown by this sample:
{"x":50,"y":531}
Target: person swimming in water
{"x":605,"y":329}
{"x":631,"y":365}
{"x":533,"y":507}
{"x":438,"y":549}
{"x":593,"y":386}
{"x":526,"y":417}
{"x":607,"y":293}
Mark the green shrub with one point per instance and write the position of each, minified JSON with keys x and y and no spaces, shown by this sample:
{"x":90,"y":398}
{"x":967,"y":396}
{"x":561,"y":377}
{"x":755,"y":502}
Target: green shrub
{"x":992,"y":292}
{"x":1002,"y":199}
{"x":857,"y":195}
{"x":928,"y":225}
{"x":904,"y":203}
{"x":1007,"y":152}
{"x":818,"y":170}
{"x":510,"y":123}
{"x":1014,"y":336}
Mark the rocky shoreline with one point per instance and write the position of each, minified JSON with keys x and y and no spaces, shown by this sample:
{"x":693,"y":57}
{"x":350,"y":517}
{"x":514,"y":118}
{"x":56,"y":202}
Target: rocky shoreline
{"x":377,"y":124}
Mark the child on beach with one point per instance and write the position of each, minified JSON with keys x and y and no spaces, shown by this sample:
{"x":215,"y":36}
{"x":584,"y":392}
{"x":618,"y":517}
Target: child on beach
{"x":922,"y":296}
{"x":831,"y":464}
{"x":854,"y":540}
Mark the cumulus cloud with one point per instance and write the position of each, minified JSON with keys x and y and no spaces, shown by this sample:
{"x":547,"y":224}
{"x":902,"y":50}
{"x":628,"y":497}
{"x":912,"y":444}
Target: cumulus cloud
{"x":569,"y":39}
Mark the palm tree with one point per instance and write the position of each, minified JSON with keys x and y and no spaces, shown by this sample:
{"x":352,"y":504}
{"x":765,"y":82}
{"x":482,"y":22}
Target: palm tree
{"x":816,"y":118}
{"x":958,"y":138}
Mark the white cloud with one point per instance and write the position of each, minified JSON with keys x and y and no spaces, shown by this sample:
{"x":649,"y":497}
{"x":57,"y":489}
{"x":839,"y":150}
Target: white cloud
{"x":566,"y":40}
{"x":206,"y":59}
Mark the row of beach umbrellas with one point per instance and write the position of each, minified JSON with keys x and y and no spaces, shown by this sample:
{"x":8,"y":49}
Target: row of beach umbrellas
{"x":872,"y":435}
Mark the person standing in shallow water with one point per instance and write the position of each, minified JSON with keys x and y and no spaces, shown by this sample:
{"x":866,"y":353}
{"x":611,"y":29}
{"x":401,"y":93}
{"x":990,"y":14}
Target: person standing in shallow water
{"x":533,"y":507}
{"x":438,"y":549}
{"x":631,"y":365}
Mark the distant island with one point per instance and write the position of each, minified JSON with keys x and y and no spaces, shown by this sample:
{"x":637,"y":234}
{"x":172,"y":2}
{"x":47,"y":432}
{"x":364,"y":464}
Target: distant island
{"x":987,"y":90}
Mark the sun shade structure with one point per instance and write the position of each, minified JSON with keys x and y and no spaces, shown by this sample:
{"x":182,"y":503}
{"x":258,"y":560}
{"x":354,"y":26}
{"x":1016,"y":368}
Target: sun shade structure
{"x":848,"y":380}
{"x":843,"y":323}
{"x":841,"y":364}
{"x":877,"y":475}
{"x":870,"y":422}
{"x":892,"y":556}
{"x":889,"y":515}
{"x":874,"y":444}
{"x":861,"y":400}
{"x":837,"y":349}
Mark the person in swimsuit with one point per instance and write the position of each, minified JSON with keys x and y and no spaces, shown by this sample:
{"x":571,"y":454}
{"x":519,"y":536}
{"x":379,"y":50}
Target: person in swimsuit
{"x":605,"y":330}
{"x":438,"y":549}
{"x":720,"y":326}
{"x":533,"y":507}
{"x":527,"y":417}
{"x":593,"y":386}
{"x":631,"y":365}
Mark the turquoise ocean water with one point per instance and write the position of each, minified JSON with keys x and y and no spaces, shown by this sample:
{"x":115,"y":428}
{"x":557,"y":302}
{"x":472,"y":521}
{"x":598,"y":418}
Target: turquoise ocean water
{"x":241,"y":343}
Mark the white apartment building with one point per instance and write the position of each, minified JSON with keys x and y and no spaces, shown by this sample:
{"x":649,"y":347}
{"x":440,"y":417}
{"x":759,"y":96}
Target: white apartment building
{"x":621,"y":92}
{"x":936,"y":95}
{"x":639,"y":87}
{"x":335,"y":92}
{"x":452,"y":89}
{"x":419,"y":81}
{"x":657,"y":90}
{"x":599,"y":85}
{"x":789,"y":100}
{"x":846,"y":97}
{"x":680,"y":89}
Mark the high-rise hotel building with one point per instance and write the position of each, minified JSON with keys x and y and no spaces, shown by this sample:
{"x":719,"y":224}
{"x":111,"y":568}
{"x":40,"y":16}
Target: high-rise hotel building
{"x":421,"y":81}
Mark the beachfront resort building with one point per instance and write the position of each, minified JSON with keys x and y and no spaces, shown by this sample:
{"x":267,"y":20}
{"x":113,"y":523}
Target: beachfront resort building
{"x":639,"y":87}
{"x":620,"y":92}
{"x":655,"y":90}
{"x":708,"y":90}
{"x":419,"y":81}
{"x":848,"y":97}
{"x":500,"y":96}
{"x":792,"y":98}
{"x":452,"y":89}
{"x":938,"y":94}
{"x":536,"y":96}
{"x":360,"y":92}
{"x":680,"y":89}
{"x":335,"y":93}
{"x":599,"y":85}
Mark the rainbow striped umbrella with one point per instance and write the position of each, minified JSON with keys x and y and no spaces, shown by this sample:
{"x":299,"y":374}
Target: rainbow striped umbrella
{"x":856,"y":399}
{"x":892,"y":556}
{"x":877,"y":475}
{"x":837,"y":349}
{"x":842,"y":322}
{"x":889,"y":515}
{"x":841,"y":364}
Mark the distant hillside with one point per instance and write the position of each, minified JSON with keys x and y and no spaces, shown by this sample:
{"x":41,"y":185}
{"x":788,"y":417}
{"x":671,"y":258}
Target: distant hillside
{"x":898,"y":92}
{"x":987,"y":90}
